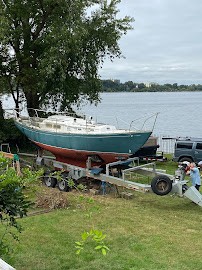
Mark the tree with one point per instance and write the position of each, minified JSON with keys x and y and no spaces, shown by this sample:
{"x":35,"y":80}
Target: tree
{"x":1,"y":112}
{"x":129,"y":85}
{"x":141,"y":85}
{"x":50,"y":50}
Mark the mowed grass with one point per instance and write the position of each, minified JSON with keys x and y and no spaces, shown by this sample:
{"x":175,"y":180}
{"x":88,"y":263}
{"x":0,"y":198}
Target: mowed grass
{"x":146,"y":232}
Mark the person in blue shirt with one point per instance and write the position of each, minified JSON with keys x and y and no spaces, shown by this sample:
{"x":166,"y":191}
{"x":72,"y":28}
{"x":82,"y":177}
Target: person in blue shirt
{"x":195,"y":176}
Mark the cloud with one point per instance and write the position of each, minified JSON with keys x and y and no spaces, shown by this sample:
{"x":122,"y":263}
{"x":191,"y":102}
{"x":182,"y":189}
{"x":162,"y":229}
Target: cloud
{"x":165,"y":45}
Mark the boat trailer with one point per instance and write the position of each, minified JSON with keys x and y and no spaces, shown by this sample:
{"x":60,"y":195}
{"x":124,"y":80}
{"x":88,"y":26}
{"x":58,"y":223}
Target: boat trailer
{"x":121,"y":174}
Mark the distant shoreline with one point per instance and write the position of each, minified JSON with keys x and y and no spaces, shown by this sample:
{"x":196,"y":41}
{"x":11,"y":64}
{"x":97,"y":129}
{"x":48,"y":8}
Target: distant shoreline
{"x":117,"y":86}
{"x":151,"y":91}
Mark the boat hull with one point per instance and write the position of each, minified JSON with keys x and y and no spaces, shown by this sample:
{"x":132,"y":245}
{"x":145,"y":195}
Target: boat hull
{"x":76,"y":148}
{"x":79,"y":158}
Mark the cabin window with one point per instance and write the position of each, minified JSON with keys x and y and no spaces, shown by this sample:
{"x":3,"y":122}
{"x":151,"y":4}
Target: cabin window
{"x":48,"y":125}
{"x":56,"y":126}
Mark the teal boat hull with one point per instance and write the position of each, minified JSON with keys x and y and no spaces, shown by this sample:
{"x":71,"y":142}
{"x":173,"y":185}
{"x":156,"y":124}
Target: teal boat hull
{"x":75,"y":148}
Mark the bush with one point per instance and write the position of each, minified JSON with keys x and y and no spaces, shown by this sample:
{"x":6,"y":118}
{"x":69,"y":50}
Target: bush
{"x":9,"y":133}
{"x":13,"y":202}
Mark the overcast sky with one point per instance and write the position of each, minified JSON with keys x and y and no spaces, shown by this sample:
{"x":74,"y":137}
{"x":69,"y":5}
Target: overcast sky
{"x":165,"y":45}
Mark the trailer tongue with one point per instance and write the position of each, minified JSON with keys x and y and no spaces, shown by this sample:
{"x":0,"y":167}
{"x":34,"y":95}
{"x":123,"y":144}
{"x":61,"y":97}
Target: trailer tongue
{"x":194,"y":195}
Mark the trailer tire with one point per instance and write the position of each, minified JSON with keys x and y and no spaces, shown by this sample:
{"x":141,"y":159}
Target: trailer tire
{"x":63,"y":184}
{"x":49,"y":181}
{"x":161,"y":185}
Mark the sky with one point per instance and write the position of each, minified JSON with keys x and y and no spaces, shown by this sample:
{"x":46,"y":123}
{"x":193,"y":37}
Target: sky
{"x":165,"y":45}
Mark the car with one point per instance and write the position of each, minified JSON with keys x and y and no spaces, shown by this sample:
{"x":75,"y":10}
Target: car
{"x":188,"y":149}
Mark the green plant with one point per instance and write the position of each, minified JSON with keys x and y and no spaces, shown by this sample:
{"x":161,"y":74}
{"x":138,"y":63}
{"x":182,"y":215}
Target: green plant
{"x":97,"y":237}
{"x":62,"y":176}
{"x":10,"y":133}
{"x":94,"y":235}
{"x":13,"y":202}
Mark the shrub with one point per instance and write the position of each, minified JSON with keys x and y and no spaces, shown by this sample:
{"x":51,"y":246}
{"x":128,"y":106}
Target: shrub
{"x":10,"y":134}
{"x":13,"y":202}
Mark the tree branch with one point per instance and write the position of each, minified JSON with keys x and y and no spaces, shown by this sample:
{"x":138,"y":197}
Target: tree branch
{"x":45,"y":15}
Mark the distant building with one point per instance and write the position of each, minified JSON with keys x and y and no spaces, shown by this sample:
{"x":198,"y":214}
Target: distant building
{"x":115,"y":81}
{"x":149,"y":84}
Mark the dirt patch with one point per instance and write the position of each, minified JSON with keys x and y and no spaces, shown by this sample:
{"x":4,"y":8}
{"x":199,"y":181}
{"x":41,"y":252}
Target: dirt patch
{"x":50,"y":198}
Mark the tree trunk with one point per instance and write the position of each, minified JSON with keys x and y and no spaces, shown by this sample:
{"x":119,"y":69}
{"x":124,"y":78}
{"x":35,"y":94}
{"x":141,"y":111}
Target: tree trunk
{"x":1,"y":112}
{"x":32,"y":102}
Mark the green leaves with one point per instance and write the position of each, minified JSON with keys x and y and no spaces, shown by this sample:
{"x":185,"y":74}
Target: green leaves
{"x":13,"y":202}
{"x":95,"y":236}
{"x":59,"y":48}
{"x":103,"y":249}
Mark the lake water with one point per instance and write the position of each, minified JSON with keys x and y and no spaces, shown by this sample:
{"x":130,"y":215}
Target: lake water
{"x":179,"y":112}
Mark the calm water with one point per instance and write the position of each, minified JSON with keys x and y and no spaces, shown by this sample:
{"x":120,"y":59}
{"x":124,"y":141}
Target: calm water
{"x":179,"y":113}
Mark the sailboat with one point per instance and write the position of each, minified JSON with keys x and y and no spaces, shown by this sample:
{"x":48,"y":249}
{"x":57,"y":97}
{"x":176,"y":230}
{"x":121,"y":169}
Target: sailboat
{"x":72,"y":139}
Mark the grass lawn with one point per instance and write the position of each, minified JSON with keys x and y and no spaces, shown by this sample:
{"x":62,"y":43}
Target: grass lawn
{"x":146,"y":232}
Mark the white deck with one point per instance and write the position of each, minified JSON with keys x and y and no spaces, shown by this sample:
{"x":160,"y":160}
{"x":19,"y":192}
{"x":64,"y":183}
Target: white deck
{"x":68,"y":124}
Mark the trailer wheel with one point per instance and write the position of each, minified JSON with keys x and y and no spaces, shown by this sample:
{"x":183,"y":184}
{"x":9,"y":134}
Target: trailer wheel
{"x":63,"y":185}
{"x":161,"y":185}
{"x":49,"y":180}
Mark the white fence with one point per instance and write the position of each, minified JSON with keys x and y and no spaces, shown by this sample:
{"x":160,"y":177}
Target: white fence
{"x":166,"y":144}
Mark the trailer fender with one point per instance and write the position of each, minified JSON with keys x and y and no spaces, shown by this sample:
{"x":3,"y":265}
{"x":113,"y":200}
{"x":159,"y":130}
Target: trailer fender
{"x":161,"y":185}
